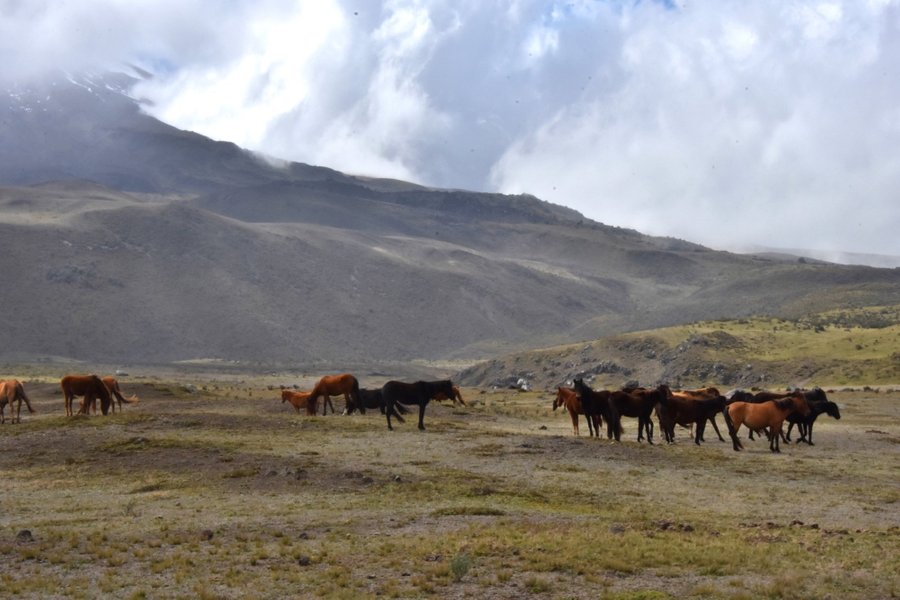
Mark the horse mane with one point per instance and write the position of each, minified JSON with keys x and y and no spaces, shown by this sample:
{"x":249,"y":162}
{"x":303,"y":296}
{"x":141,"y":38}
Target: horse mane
{"x":785,"y":403}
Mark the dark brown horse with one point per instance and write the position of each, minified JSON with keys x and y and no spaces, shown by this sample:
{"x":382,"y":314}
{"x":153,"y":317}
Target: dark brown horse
{"x":418,"y":393}
{"x":688,"y":411}
{"x":373,"y":399}
{"x":639,"y":403}
{"x":598,"y":402}
{"x":336,"y":385}
{"x":805,"y":424}
{"x":707,"y":393}
{"x":568,"y":398}
{"x":12,"y":390}
{"x":90,"y":387}
{"x":768,"y":415}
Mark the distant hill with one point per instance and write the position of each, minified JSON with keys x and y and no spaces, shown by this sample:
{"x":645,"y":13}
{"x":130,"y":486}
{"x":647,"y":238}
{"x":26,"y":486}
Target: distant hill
{"x":124,"y":240}
{"x":834,"y":348}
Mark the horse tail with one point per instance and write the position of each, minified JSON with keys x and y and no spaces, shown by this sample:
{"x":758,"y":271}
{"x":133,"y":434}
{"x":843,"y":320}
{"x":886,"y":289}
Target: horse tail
{"x":20,"y":390}
{"x":728,"y":422}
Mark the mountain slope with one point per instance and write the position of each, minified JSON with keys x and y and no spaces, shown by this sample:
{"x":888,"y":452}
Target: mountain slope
{"x":124,"y":239}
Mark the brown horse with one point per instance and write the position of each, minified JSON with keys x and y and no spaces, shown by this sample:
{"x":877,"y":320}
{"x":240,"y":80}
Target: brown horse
{"x":688,"y":411}
{"x":457,"y":397}
{"x":10,"y":391}
{"x":299,"y":400}
{"x":568,"y":398}
{"x":770,"y":414}
{"x":707,"y":393}
{"x":89,"y":386}
{"x":112,"y":384}
{"x":335,"y":385}
{"x":639,"y":403}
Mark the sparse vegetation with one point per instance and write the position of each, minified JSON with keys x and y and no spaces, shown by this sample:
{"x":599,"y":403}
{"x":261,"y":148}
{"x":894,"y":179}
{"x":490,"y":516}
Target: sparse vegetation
{"x":252,"y":499}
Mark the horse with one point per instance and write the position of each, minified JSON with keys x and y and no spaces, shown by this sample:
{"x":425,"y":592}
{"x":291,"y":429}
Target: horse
{"x":420,"y":393}
{"x":805,"y":424}
{"x":707,"y":393}
{"x":113,"y":386}
{"x":639,"y":403}
{"x":374,"y":399}
{"x":10,"y":391}
{"x":568,"y":398}
{"x":684,"y":411}
{"x":335,"y":385}
{"x":599,"y":403}
{"x":457,"y":397}
{"x":89,"y":386}
{"x":770,"y":414}
{"x":299,"y":400}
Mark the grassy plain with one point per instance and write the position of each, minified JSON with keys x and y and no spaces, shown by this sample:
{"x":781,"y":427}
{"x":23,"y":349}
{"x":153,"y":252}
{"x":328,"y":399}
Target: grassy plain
{"x":211,"y":488}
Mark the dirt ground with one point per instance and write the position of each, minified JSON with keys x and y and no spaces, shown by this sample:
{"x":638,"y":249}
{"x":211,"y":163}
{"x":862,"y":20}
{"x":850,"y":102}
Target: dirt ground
{"x":211,"y":487}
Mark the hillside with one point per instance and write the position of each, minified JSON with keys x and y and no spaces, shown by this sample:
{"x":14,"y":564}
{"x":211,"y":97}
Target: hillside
{"x":124,"y":240}
{"x":839,"y":347}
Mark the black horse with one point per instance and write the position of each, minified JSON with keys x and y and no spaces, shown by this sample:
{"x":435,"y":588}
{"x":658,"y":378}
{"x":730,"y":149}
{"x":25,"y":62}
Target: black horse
{"x":371,"y":399}
{"x":420,"y":393}
{"x":599,"y":403}
{"x":805,"y":424}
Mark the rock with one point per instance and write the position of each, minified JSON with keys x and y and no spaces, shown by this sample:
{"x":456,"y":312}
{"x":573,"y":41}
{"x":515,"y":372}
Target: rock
{"x":304,"y":561}
{"x":206,"y":535}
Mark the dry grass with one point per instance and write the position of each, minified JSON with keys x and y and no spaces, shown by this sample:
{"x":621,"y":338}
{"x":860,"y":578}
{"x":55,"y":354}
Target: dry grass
{"x":225,"y":492}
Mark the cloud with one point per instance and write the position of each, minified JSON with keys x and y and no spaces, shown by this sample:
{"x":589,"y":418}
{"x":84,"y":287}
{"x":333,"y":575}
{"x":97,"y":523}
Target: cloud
{"x":726,"y":123}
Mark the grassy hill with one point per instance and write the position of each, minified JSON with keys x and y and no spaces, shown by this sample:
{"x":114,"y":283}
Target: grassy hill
{"x":859,"y":346}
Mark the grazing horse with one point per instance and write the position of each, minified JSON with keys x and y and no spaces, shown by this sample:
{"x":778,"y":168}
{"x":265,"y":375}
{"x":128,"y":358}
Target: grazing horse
{"x":335,"y":385}
{"x":770,"y":414}
{"x":687,"y":411}
{"x":374,"y":399}
{"x":568,"y":398}
{"x":639,"y":403}
{"x":89,"y":386}
{"x":299,"y":400}
{"x":113,"y":386}
{"x":420,"y":393}
{"x":805,"y":424}
{"x":10,"y":391}
{"x":457,"y":397}
{"x":599,"y":403}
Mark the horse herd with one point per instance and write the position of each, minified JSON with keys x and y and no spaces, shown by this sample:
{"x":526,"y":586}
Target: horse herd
{"x":89,"y":387}
{"x":390,"y":399}
{"x":760,"y":412}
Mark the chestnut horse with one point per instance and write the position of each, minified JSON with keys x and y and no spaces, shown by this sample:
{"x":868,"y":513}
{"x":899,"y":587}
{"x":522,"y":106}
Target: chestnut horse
{"x":599,"y":403}
{"x":568,"y":398}
{"x":89,"y":386}
{"x":299,"y":400}
{"x":335,"y":385}
{"x":419,"y":393}
{"x":10,"y":391}
{"x":112,"y":385}
{"x":770,"y":414}
{"x":457,"y":397}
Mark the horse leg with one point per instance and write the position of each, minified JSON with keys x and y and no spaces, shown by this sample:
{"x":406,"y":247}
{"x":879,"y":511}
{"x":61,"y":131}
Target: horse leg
{"x":809,"y":434}
{"x":397,"y":414}
{"x":712,"y":421}
{"x":574,"y":416}
{"x":422,"y":416}
{"x":701,"y":425}
{"x":388,"y":411}
{"x":787,"y":436}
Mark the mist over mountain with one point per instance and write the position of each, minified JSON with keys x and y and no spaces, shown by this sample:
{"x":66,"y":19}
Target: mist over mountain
{"x":126,"y":240}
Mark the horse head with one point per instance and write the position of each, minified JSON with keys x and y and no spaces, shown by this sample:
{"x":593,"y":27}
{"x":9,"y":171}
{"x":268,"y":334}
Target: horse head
{"x":831,"y":409}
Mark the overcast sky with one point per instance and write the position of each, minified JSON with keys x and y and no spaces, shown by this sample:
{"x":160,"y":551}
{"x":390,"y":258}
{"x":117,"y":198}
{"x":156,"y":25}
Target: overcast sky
{"x":723,"y":122}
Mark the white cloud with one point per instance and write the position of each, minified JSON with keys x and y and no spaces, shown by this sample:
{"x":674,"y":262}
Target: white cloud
{"x":724,"y":123}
